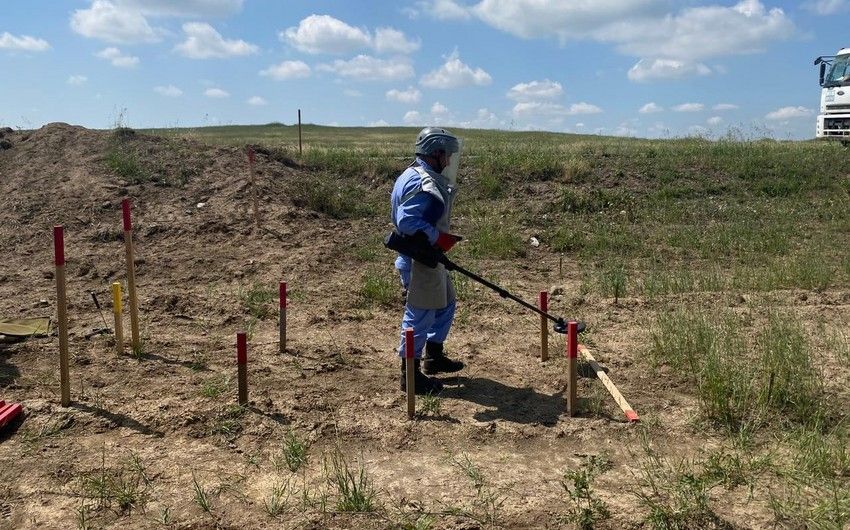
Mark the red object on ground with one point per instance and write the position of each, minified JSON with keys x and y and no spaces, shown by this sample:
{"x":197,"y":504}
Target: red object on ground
{"x":125,"y":207}
{"x":544,"y":301}
{"x":58,"y":245}
{"x":241,"y":348}
{"x":408,"y":343}
{"x":631,"y":415}
{"x":282,"y":294}
{"x":251,"y":155}
{"x":9,"y":412}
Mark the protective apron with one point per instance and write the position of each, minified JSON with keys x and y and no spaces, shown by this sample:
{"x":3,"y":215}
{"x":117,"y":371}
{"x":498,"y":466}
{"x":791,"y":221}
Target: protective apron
{"x":432,"y":288}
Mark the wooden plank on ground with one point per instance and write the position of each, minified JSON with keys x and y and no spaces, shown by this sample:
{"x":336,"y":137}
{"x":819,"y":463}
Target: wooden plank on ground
{"x":631,"y":415}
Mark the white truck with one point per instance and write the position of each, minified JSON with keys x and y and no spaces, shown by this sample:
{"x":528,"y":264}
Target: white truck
{"x":834,"y":117}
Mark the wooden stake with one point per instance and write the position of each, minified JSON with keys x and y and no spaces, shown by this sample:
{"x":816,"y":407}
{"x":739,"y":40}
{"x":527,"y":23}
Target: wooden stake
{"x":631,"y":415}
{"x":242,"y":366}
{"x":131,"y":277}
{"x":62,"y":309}
{"x":544,"y":327}
{"x":572,"y":354}
{"x":252,"y":176}
{"x":299,"y":133}
{"x":409,"y":378}
{"x":116,"y":310}
{"x":282,"y":296}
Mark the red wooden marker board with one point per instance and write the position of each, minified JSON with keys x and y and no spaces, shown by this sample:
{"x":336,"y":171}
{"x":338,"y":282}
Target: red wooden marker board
{"x":9,"y":412}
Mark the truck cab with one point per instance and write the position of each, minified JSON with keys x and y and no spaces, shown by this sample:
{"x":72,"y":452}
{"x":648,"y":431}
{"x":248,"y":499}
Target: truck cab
{"x":834,"y":117}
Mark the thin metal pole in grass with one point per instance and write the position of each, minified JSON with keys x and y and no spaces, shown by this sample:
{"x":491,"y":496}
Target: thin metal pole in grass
{"x":242,"y":366}
{"x":572,"y":377}
{"x":299,"y":133}
{"x":282,"y":297}
{"x":131,"y":277}
{"x":409,"y":379}
{"x":544,"y":326}
{"x":116,"y":310}
{"x":62,"y":309}
{"x":253,"y":180}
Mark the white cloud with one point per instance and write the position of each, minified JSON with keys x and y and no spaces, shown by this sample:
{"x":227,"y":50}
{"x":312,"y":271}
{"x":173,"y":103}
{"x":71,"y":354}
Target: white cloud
{"x":216,"y":93}
{"x":257,"y":101}
{"x":438,"y":109}
{"x":650,"y":108}
{"x":379,"y":123}
{"x":538,"y":108}
{"x":583,"y":108}
{"x":624,"y":129}
{"x":287,"y":70}
{"x":689,"y":107}
{"x":183,"y":8}
{"x":412,"y":116}
{"x":535,"y":90}
{"x":725,"y":106}
{"x":646,"y":70}
{"x":827,"y":7}
{"x":389,"y":40}
{"x":786,"y":113}
{"x":441,"y":10}
{"x":455,"y":74}
{"x":204,"y":42}
{"x":411,"y":95}
{"x":698,"y":130}
{"x":22,"y":43}
{"x":117,"y":58}
{"x":105,"y":21}
{"x":77,"y":80}
{"x":714,"y":120}
{"x":170,"y":91}
{"x":350,"y":92}
{"x":325,"y":34}
{"x":368,"y":68}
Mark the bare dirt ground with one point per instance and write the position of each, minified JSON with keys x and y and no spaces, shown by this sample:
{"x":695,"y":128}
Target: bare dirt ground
{"x":336,"y":386}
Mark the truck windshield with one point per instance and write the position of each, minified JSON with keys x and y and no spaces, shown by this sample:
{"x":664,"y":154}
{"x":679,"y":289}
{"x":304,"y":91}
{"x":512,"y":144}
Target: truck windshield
{"x":839,"y":75}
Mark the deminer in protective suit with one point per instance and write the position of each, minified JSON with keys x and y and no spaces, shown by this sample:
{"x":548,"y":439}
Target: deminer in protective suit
{"x":421,"y":206}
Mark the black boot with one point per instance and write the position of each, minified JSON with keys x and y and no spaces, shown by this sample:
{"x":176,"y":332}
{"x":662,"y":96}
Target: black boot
{"x":422,"y":383}
{"x":434,"y":361}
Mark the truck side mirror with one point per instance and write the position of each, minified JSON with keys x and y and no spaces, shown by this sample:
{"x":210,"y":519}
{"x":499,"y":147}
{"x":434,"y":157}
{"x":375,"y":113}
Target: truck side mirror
{"x":822,"y":72}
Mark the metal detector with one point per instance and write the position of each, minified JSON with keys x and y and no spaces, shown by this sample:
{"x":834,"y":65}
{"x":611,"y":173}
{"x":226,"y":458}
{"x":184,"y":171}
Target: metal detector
{"x":419,"y":248}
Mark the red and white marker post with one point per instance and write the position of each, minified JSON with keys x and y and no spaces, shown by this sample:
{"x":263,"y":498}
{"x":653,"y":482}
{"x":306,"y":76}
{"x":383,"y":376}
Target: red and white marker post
{"x":282,"y":296}
{"x":572,"y":360}
{"x":544,"y":326}
{"x":409,"y":379}
{"x":131,"y":277}
{"x":62,"y":309}
{"x":242,"y":366}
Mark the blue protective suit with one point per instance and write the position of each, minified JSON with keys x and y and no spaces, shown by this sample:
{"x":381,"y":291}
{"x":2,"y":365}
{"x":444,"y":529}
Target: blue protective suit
{"x":411,"y":212}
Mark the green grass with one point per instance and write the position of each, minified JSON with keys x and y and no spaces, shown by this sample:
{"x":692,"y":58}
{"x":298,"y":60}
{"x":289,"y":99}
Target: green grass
{"x":259,"y":301}
{"x":355,"y":490}
{"x":293,"y":454}
{"x":584,"y":507}
{"x":380,"y":287}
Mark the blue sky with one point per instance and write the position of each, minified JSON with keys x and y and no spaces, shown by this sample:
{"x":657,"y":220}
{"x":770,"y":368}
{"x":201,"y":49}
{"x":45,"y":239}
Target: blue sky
{"x":647,"y":68}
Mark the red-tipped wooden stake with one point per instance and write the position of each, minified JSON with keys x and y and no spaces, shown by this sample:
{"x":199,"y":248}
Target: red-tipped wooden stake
{"x":282,"y":296}
{"x":572,"y":358}
{"x":242,"y":366}
{"x":131,"y":277}
{"x":300,"y":152}
{"x":544,"y":326}
{"x":253,"y":179}
{"x":62,"y":307}
{"x":411,"y":381}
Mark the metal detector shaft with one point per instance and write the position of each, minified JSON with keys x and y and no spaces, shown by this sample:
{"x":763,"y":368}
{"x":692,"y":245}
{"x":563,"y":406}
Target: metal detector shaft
{"x":452,"y":266}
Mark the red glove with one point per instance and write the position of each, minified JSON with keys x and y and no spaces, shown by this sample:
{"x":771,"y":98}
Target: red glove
{"x":446,"y":241}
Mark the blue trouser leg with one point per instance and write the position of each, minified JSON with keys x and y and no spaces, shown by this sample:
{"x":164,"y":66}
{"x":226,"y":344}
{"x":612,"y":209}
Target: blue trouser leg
{"x":431,"y":325}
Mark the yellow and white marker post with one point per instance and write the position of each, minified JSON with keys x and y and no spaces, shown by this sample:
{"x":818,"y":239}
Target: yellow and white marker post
{"x":131,"y":277}
{"x":62,"y":310}
{"x":116,"y":310}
